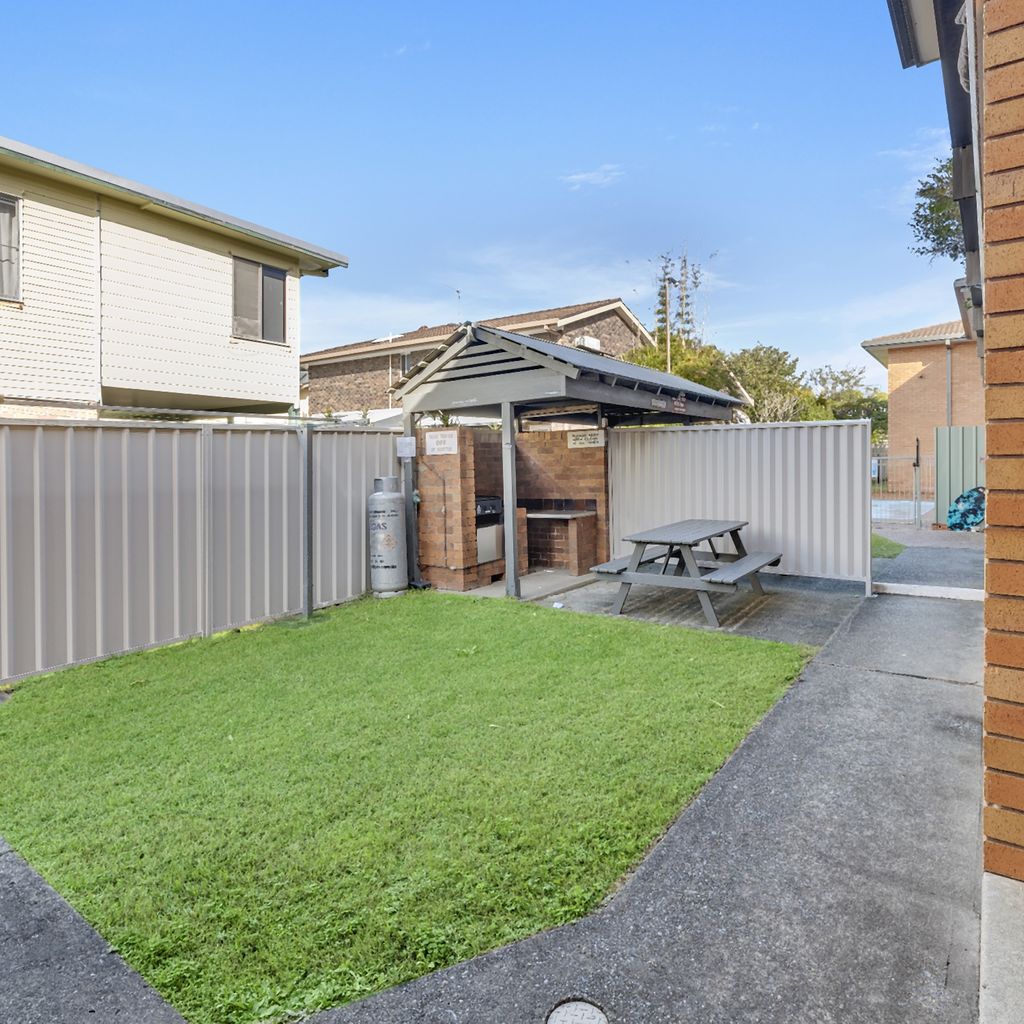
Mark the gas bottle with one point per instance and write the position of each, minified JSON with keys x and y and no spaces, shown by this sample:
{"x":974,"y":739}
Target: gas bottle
{"x":385,"y":510}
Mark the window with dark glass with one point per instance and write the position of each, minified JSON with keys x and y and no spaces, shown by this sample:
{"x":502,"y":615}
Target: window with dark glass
{"x":258,"y":301}
{"x":10,"y":250}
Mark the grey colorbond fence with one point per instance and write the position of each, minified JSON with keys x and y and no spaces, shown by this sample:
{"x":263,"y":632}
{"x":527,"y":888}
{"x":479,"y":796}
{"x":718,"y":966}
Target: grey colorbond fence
{"x":805,"y":488}
{"x":116,"y":536}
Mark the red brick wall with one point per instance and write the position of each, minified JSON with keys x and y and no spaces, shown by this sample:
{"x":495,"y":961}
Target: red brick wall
{"x":1003,"y":190}
{"x":548,"y":469}
{"x":448,"y":486}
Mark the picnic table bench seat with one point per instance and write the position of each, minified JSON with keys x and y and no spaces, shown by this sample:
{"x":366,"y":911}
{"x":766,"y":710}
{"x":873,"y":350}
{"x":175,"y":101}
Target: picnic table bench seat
{"x":678,"y":547}
{"x":734,"y":571}
{"x":617,"y":565}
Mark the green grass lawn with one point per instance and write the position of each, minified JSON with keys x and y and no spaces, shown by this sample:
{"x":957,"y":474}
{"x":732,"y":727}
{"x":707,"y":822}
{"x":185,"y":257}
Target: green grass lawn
{"x":882,"y":547}
{"x":271,"y":822}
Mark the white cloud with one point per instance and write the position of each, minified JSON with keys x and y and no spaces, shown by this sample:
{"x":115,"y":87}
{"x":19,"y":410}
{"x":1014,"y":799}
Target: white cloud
{"x":407,"y":48}
{"x":832,"y":334}
{"x":601,"y":177}
{"x":532,"y":277}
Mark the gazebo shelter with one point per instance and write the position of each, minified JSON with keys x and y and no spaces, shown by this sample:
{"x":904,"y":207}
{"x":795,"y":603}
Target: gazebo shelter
{"x":492,"y":374}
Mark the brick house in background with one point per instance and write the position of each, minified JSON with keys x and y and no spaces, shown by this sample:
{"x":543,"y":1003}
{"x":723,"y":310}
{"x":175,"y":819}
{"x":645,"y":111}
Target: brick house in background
{"x":934,"y":381}
{"x":350,"y":378}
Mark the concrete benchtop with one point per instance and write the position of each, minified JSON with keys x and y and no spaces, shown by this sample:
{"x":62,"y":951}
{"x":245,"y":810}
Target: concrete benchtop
{"x":559,"y":515}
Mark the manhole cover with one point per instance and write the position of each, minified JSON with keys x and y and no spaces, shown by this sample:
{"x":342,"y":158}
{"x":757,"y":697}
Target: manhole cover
{"x":576,"y":1011}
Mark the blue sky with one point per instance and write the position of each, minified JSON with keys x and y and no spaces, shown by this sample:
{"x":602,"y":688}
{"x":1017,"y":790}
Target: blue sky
{"x":479,"y":159}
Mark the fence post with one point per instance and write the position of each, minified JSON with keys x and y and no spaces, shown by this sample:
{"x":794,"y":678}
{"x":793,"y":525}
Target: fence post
{"x":307,"y":497}
{"x":206,"y":455}
{"x":917,"y":482}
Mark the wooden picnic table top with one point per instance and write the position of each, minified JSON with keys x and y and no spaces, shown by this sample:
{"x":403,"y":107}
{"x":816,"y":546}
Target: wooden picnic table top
{"x":687,"y":531}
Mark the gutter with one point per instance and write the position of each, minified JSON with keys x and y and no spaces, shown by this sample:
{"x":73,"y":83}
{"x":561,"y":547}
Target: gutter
{"x":96,"y":180}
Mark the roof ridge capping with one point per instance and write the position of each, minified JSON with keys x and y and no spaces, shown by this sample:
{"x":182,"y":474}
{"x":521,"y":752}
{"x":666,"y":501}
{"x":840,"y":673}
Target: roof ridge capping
{"x":83,"y":173}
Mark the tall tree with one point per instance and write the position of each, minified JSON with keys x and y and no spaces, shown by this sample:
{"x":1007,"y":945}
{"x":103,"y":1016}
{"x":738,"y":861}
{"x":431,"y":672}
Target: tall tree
{"x":771,"y":379}
{"x":936,"y":217}
{"x":663,"y":313}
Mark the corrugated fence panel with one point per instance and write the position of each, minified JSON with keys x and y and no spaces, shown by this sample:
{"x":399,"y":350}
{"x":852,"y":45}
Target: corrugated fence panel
{"x":959,"y":465}
{"x":344,"y":466}
{"x":256,"y":524}
{"x":100,"y":528}
{"x":117,"y":536}
{"x":805,"y":488}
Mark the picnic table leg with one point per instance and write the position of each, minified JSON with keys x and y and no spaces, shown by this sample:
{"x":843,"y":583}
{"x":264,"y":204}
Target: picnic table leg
{"x":634,"y":564}
{"x":692,"y":569}
{"x":741,"y":551}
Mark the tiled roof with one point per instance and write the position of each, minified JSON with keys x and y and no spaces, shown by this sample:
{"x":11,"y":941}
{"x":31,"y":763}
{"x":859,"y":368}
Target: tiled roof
{"x":444,"y":330}
{"x":936,"y":332}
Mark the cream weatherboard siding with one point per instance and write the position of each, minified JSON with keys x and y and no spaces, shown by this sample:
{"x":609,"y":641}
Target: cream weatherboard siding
{"x":166,"y":313}
{"x":49,"y":341}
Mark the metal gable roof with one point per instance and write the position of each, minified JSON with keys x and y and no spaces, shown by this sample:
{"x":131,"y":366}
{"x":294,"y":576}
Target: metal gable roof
{"x":587,"y":360}
{"x":62,"y":167}
{"x":455,"y":363}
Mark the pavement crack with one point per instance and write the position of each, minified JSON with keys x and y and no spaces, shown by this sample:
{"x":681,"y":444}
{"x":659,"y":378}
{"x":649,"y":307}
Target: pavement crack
{"x":895,"y":672}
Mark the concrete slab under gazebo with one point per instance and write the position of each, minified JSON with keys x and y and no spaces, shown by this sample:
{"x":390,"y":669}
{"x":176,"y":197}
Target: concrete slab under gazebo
{"x":517,"y":380}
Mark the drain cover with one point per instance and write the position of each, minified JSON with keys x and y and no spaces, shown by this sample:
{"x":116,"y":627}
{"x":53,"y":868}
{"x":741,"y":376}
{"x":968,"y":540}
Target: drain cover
{"x":576,"y":1011}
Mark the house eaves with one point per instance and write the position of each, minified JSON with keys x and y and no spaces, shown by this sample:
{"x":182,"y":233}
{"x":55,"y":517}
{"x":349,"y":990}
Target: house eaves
{"x":879,"y":348}
{"x":312,"y":259}
{"x":917,"y":38}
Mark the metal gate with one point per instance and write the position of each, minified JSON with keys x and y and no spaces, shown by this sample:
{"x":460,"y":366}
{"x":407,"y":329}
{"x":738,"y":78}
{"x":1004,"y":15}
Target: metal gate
{"x":903,"y":489}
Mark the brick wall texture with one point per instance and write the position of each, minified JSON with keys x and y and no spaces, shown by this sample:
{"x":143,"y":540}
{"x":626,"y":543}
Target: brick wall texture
{"x":547,"y":470}
{"x":1003,"y":190}
{"x":917,"y":394}
{"x":351,"y":385}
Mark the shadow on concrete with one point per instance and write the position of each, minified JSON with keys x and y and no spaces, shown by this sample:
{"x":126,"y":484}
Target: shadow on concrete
{"x":794,"y":609}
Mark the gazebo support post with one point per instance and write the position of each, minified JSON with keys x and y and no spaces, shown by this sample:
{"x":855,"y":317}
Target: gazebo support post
{"x":508,"y":477}
{"x":412,"y":533}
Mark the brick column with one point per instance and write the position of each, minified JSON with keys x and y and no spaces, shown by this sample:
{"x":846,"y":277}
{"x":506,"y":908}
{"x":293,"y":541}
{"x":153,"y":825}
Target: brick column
{"x":1003,"y":191}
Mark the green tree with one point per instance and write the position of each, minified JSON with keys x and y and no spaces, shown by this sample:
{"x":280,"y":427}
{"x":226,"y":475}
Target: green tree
{"x":843,"y":395}
{"x":705,"y":364}
{"x":936,"y":217}
{"x":776,"y":388}
{"x":663,"y":314}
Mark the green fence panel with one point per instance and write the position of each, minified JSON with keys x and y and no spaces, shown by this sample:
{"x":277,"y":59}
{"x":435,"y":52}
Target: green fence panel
{"x":959,"y":465}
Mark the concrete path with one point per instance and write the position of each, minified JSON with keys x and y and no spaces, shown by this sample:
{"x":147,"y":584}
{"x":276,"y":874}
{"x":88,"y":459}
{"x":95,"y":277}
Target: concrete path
{"x":54,"y":968}
{"x":794,"y":609}
{"x":829,"y":872}
{"x":941,"y":558}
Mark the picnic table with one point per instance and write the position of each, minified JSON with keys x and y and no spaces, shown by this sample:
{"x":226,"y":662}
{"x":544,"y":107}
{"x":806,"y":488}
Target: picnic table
{"x":676,"y":547}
